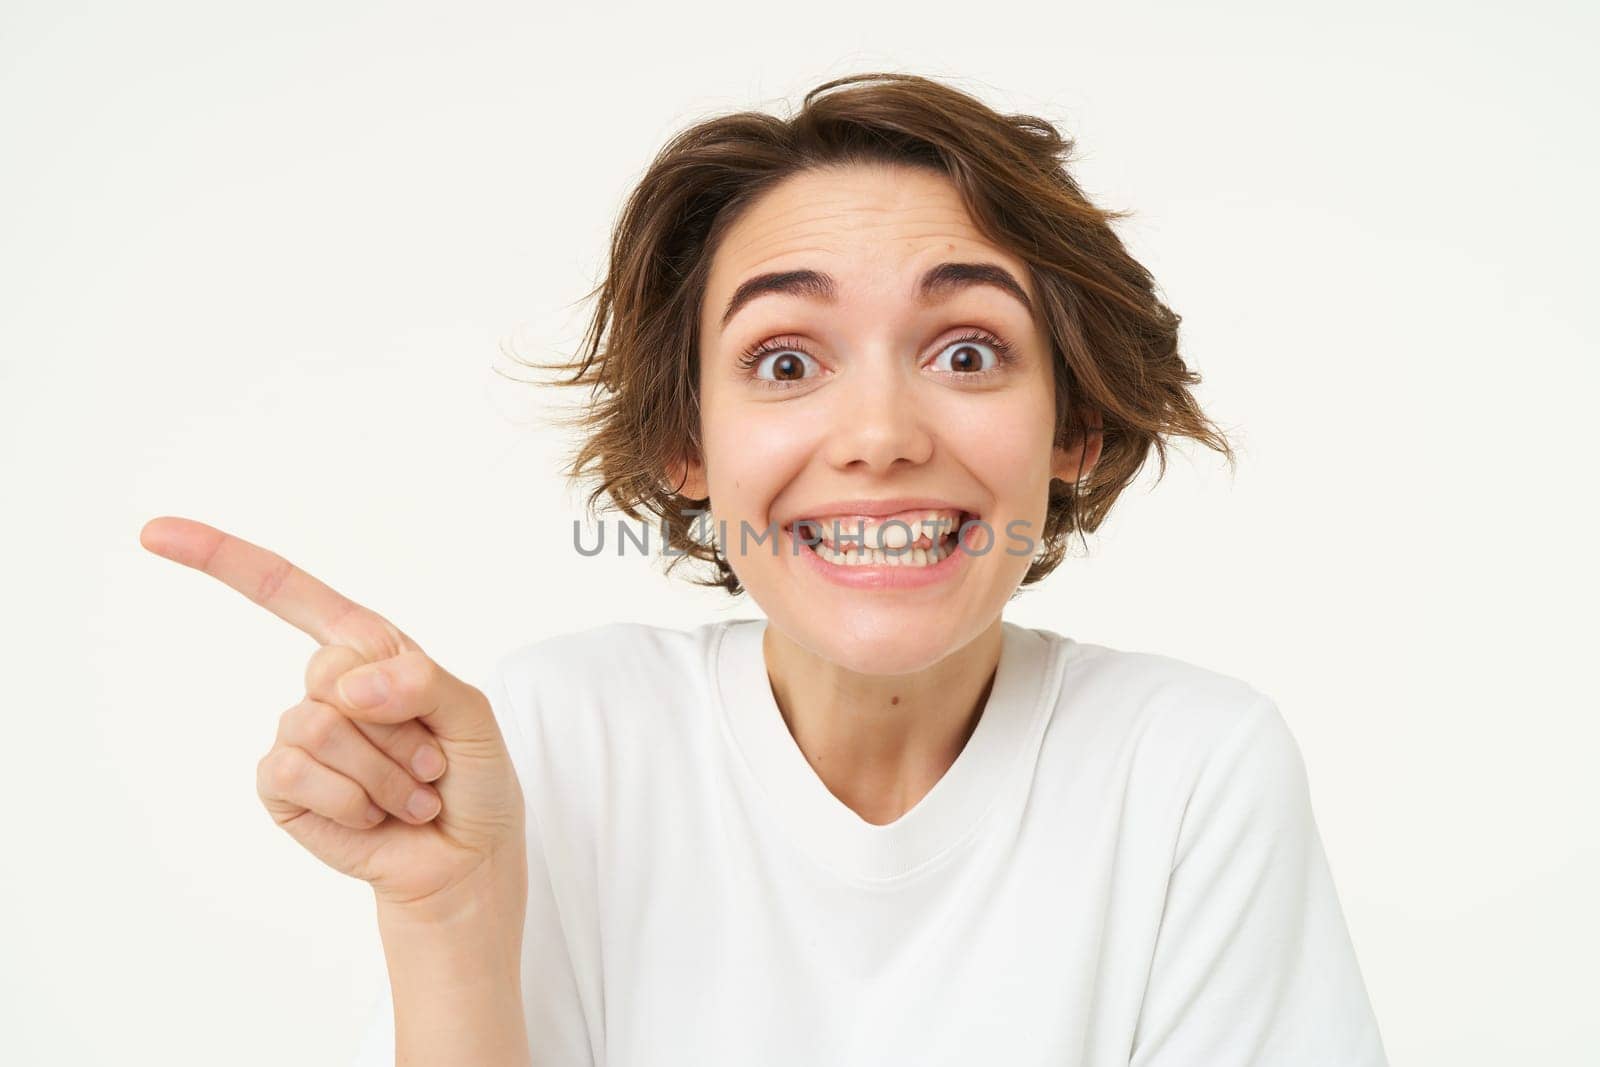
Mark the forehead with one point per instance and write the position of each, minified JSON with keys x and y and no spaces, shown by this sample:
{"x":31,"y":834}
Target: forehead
{"x":872,"y":226}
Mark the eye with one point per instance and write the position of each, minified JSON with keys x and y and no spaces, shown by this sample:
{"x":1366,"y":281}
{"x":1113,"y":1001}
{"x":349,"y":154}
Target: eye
{"x":777,"y":363}
{"x":977,"y":353}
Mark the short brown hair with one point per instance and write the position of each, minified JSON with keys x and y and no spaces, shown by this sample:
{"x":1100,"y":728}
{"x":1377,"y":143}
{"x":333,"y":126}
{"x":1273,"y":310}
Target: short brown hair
{"x":1115,"y":342}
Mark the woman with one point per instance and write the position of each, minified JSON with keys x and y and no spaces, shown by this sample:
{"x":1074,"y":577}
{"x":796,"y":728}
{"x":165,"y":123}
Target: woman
{"x":894,"y":354}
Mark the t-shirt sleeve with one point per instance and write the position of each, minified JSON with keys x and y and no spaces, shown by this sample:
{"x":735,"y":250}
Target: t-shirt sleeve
{"x":1253,"y":963}
{"x":557,"y":1028}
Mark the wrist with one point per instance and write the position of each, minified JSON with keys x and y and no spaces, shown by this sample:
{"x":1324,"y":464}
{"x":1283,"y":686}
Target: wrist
{"x":493,"y":894}
{"x":464,"y":944}
{"x":484,"y":912}
{"x":455,"y":972}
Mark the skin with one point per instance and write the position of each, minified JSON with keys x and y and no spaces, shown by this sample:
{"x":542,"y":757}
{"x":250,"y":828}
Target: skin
{"x":450,"y":878}
{"x":880,"y":688}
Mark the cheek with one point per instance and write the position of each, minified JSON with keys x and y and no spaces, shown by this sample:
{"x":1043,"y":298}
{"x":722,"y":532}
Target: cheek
{"x":1006,"y":443}
{"x":751,"y":450}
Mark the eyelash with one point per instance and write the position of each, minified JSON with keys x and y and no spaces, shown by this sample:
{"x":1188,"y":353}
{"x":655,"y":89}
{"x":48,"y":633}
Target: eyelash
{"x":752,"y":356}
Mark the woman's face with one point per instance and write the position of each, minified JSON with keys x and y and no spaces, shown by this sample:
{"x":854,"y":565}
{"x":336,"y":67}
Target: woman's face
{"x":848,"y":392}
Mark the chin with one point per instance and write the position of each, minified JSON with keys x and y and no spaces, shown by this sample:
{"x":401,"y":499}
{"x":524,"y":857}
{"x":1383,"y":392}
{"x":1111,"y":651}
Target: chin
{"x":882,"y":643}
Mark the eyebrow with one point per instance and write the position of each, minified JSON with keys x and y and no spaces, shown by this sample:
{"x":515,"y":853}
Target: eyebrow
{"x":937,"y":282}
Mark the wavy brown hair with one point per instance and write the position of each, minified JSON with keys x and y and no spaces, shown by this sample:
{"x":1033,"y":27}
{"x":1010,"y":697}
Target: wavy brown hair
{"x":1116,"y":362}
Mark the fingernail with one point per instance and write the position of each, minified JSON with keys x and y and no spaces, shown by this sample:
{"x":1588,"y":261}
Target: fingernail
{"x":364,"y":687}
{"x":428,"y":763}
{"x":423,"y":804}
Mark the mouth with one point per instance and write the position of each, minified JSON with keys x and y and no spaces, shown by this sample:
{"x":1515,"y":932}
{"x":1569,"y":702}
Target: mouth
{"x":915,"y":539}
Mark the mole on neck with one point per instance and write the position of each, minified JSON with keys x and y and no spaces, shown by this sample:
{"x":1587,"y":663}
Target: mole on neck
{"x":877,"y":761}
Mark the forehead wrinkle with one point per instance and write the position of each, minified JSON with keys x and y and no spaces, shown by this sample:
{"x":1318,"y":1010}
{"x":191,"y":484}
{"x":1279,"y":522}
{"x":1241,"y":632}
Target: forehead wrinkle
{"x":853,"y":224}
{"x":831,"y":229}
{"x":839,"y":210}
{"x":748,"y":255}
{"x":768,"y":217}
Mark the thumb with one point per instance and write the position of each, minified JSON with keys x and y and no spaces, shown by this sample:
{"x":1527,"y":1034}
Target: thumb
{"x":412,"y":686}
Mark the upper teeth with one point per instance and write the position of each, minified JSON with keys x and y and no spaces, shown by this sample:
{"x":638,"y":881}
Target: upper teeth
{"x":881,"y":532}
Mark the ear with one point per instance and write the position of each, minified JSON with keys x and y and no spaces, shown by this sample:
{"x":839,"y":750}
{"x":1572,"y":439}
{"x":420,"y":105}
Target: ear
{"x":688,"y":477}
{"x":1078,"y":459}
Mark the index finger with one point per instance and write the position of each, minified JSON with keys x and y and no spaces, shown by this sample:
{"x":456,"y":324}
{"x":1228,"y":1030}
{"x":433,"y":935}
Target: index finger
{"x":276,"y":584}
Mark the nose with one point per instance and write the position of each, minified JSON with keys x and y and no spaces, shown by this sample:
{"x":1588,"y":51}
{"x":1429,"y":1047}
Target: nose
{"x":876,"y":420}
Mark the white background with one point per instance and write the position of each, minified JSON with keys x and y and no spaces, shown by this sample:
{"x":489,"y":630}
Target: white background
{"x":258,"y":265}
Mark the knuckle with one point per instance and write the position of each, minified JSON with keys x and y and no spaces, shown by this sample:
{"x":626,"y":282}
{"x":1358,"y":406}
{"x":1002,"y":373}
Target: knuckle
{"x":298,"y":726}
{"x":287,"y":769}
{"x":319,"y":724}
{"x":326,"y":664}
{"x":286,"y":726}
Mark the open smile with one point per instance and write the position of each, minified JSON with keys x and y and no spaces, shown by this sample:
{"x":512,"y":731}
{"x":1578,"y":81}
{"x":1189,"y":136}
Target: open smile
{"x":902,"y":551}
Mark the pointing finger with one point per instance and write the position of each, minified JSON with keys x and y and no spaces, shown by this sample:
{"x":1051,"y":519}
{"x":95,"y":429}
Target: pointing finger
{"x":275,"y":584}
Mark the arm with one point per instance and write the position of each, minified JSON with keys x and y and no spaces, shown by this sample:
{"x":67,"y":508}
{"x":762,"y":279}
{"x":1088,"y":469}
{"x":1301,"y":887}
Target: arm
{"x":457,"y":977}
{"x":456,"y":982}
{"x":441,"y":841}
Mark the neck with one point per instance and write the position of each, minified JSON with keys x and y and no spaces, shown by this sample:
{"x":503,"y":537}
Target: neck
{"x":880,"y":742}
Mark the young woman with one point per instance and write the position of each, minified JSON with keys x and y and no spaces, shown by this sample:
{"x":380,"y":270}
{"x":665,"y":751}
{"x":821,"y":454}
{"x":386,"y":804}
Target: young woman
{"x":896,"y":358}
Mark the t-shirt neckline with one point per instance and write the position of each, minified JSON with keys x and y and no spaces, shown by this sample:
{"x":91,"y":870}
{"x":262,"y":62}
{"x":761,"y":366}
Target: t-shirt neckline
{"x":944,"y":818}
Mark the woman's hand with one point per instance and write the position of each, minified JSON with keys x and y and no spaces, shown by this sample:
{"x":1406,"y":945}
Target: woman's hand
{"x":391,"y":770}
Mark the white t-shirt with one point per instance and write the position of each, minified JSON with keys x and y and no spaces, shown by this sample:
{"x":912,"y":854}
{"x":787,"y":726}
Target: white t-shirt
{"x":1121,"y":867}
